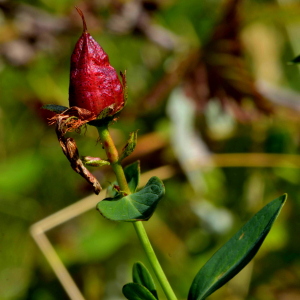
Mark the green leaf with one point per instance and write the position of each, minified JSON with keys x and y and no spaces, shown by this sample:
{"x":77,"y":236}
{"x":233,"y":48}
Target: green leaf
{"x":132,"y":174}
{"x":236,"y":253}
{"x":135,"y":291}
{"x":135,"y":207}
{"x":55,"y":108}
{"x":130,"y":145}
{"x":141,"y":275}
{"x":94,"y":161}
{"x":296,"y":60}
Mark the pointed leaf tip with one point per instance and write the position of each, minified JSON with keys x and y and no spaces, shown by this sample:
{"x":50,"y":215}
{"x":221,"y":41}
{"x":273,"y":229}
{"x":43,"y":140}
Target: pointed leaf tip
{"x":130,"y":145}
{"x":82,"y":17}
{"x":142,"y":276}
{"x":236,"y":253}
{"x":135,"y":291}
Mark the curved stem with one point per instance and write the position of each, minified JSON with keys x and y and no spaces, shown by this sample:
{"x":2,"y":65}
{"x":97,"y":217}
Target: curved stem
{"x":113,"y":156}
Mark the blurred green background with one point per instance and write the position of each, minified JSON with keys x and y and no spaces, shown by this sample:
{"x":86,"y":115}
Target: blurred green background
{"x":204,"y":78}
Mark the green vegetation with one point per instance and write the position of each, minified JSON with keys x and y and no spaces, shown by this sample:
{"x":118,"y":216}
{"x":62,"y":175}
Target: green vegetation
{"x":171,"y":74}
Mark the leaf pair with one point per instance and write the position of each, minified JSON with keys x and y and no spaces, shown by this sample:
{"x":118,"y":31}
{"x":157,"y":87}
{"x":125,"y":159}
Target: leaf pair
{"x":142,"y":287}
{"x":138,"y":206}
{"x":224,"y":264}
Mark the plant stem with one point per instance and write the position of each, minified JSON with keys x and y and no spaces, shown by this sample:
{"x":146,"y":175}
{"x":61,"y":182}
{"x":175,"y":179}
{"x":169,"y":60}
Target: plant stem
{"x":113,"y":156}
{"x":141,"y":232}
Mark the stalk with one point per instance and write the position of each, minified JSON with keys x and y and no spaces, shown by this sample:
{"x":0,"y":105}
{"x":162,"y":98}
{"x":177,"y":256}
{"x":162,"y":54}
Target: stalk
{"x":113,"y":156}
{"x":160,"y":275}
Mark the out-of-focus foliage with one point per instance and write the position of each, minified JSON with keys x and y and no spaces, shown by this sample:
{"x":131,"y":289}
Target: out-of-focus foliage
{"x":155,"y":41}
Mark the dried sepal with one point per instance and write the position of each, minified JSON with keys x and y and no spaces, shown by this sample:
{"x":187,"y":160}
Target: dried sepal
{"x":130,"y":145}
{"x":94,"y":161}
{"x":124,"y":84}
{"x":70,"y":150}
{"x":106,"y":112}
{"x":72,"y":118}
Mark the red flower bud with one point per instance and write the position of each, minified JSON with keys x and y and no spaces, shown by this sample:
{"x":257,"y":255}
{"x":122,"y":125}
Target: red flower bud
{"x":94,"y":83}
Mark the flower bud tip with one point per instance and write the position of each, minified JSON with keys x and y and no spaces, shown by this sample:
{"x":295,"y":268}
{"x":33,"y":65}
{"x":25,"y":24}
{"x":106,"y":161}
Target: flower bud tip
{"x":82,"y":17}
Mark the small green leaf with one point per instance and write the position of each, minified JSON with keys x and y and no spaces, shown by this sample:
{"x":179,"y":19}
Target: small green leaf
{"x":236,"y":253}
{"x":130,"y":145}
{"x":132,"y":174}
{"x":94,"y":161}
{"x":135,"y":207}
{"x":135,"y":291}
{"x":55,"y":108}
{"x":296,"y":60}
{"x":141,"y":275}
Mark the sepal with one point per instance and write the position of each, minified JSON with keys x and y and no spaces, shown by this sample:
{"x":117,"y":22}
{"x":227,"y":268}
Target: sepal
{"x":130,"y":145}
{"x":94,"y":161}
{"x":296,"y":60}
{"x":55,"y":108}
{"x":124,"y":84}
{"x":106,"y":112}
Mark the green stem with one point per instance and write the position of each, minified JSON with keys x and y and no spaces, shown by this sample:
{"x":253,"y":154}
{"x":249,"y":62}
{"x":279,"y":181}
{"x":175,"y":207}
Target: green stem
{"x":141,"y":232}
{"x":113,"y":157}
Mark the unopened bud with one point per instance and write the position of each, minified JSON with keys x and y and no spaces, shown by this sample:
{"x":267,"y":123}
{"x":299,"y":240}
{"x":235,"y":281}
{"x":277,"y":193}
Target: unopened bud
{"x":94,"y":83}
